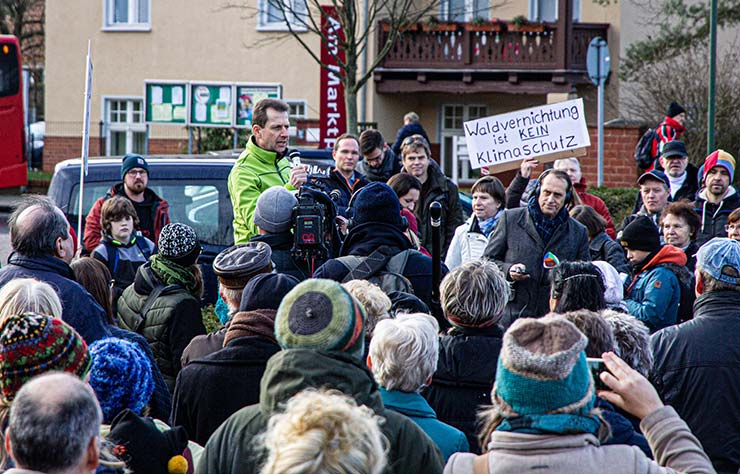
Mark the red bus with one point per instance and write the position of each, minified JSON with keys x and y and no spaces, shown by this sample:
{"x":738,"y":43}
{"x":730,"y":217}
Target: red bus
{"x":13,"y":166}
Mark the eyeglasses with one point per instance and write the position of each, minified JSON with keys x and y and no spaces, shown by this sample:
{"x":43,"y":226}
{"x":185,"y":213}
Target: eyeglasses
{"x":135,"y":172}
{"x":415,"y":139}
{"x":730,"y":227}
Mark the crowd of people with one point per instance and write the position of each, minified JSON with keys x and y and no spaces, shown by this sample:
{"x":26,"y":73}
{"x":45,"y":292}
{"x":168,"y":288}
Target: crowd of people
{"x":553,"y":340}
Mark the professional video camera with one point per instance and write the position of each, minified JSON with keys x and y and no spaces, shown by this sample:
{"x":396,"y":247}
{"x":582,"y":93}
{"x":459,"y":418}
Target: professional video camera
{"x":315,"y":235}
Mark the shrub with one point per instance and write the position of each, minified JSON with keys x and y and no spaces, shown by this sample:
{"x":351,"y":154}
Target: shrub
{"x":620,"y":201}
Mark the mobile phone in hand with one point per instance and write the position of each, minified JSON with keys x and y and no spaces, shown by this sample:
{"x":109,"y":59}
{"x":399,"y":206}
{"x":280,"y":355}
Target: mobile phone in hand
{"x":597,"y":366}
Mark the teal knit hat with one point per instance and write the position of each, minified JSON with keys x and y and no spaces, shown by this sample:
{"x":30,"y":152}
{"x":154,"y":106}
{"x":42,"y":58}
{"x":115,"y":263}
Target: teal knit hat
{"x":321,"y":315}
{"x":542,"y":369}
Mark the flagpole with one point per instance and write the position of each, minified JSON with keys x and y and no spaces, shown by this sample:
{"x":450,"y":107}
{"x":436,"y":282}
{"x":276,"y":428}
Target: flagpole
{"x":85,"y":140}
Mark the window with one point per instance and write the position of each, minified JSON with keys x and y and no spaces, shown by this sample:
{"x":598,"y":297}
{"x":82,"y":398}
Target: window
{"x":297,"y":109}
{"x":547,"y":10}
{"x":125,"y":131}
{"x":9,"y":75}
{"x":464,"y":10}
{"x":454,"y":155}
{"x":127,"y":15}
{"x":274,"y":15}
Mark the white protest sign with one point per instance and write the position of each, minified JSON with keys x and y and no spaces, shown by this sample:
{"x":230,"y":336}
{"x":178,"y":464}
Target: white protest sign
{"x":554,"y":130}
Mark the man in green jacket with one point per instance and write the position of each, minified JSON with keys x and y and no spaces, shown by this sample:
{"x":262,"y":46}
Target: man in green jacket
{"x":320,"y":328}
{"x":262,"y":165}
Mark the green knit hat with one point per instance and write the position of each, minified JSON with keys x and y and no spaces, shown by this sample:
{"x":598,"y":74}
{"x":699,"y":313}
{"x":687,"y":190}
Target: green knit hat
{"x":321,"y":315}
{"x":542,"y":369}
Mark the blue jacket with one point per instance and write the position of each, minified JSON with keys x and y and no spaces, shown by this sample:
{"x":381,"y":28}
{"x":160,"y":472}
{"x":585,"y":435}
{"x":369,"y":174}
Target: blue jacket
{"x":655,"y":292}
{"x":449,"y":440}
{"x":79,"y":309}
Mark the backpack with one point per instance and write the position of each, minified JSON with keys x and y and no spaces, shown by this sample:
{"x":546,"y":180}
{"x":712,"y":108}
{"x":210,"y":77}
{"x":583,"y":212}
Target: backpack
{"x":644,"y":149}
{"x":688,"y":296}
{"x":381,"y":269}
{"x":112,"y":251}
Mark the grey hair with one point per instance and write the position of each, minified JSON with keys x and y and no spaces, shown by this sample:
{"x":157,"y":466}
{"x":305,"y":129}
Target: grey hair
{"x":37,"y":237}
{"x":376,"y":303}
{"x":232,"y":298}
{"x":563,"y":161}
{"x":633,"y":340}
{"x":475,"y":293}
{"x":52,"y":421}
{"x":22,"y":295}
{"x":412,"y":117}
{"x":404,"y":351}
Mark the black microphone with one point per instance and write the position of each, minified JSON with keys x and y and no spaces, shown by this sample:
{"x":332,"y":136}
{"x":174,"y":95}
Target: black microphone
{"x":435,"y":217}
{"x":295,"y":158}
{"x":435,"y":213}
{"x":335,"y":195}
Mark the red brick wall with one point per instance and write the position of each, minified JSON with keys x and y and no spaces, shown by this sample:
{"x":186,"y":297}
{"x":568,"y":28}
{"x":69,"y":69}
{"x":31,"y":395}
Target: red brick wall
{"x":620,"y":169}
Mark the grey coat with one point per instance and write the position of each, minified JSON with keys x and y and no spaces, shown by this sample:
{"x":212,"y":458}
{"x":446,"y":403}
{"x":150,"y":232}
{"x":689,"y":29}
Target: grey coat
{"x":516,"y":240}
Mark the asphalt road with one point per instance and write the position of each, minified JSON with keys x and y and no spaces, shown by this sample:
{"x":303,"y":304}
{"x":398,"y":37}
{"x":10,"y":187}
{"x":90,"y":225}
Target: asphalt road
{"x":4,"y":239}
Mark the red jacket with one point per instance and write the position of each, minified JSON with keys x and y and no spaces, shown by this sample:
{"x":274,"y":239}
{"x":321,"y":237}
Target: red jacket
{"x":667,"y":130}
{"x":598,"y":205}
{"x":160,"y":211}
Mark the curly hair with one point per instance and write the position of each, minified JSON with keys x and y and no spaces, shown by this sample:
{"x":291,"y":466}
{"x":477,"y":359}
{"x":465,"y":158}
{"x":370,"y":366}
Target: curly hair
{"x":376,"y":303}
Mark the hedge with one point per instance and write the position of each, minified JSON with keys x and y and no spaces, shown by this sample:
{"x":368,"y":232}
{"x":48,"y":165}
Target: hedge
{"x":620,"y":201}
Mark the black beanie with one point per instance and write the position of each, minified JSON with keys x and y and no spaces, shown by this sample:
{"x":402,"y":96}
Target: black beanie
{"x":674,"y":109}
{"x":641,"y":234}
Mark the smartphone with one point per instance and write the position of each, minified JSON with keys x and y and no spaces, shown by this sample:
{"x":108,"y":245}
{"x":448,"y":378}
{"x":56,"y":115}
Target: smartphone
{"x":597,"y":366}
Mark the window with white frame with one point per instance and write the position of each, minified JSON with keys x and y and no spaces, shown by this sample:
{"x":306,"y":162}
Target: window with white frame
{"x":125,"y":131}
{"x":464,"y":10}
{"x":547,"y":10}
{"x":275,"y":15}
{"x":127,"y":14}
{"x":297,"y":109}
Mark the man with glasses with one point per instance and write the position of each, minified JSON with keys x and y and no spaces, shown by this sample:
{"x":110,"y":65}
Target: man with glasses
{"x":151,"y":209}
{"x":379,"y":162}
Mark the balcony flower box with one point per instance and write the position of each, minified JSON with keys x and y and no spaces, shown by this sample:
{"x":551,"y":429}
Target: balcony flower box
{"x":485,"y":27}
{"x":526,"y":27}
{"x":440,"y":27}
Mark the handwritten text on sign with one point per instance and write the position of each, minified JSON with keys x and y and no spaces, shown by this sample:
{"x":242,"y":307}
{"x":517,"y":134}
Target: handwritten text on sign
{"x":538,"y":131}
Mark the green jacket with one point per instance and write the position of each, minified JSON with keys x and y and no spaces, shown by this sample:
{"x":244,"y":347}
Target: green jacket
{"x":254,"y":171}
{"x":233,"y":449}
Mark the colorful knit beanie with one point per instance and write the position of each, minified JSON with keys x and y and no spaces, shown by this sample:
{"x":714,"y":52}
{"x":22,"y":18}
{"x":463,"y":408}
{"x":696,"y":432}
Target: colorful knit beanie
{"x":720,"y":158}
{"x":543,"y":382}
{"x":33,"y":344}
{"x":321,"y":315}
{"x":121,"y":376}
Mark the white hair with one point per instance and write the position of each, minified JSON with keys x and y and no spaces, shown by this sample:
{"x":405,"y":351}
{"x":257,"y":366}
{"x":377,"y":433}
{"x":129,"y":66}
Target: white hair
{"x":404,"y":351}
{"x":23,"y":295}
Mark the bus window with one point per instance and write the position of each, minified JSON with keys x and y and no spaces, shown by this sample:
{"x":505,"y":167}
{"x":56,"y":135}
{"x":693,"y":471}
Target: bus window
{"x":13,"y":164}
{"x":9,"y":74}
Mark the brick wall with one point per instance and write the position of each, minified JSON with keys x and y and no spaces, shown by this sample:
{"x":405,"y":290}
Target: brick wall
{"x":620,"y":169}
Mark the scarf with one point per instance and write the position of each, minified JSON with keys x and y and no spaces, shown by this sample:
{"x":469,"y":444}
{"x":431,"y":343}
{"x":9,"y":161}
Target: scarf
{"x":170,"y":273}
{"x":486,"y":226}
{"x":260,"y":322}
{"x":545,"y":226}
{"x":558,"y":423}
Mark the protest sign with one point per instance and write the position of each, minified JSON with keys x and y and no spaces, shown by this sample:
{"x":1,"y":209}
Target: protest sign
{"x":548,"y":133}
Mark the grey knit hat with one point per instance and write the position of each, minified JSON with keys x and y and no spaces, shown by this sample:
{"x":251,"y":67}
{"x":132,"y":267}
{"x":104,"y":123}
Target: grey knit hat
{"x":274,"y":210}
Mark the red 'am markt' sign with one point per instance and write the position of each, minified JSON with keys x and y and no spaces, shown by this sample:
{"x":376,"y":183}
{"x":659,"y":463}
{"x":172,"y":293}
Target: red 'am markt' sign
{"x":332,"y":112}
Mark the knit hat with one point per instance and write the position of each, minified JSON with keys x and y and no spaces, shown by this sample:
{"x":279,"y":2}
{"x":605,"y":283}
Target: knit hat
{"x":266,"y":291}
{"x":321,"y":315}
{"x":674,"y":109}
{"x":178,"y":243}
{"x":121,"y":376}
{"x":542,"y":368}
{"x":720,"y":258}
{"x":641,"y":234}
{"x":274,"y":210}
{"x":376,"y":202}
{"x":145,"y":449}
{"x":655,"y":175}
{"x":32,"y":344}
{"x":720,"y":158}
{"x":236,"y":265}
{"x":674,"y":149}
{"x":131,"y":161}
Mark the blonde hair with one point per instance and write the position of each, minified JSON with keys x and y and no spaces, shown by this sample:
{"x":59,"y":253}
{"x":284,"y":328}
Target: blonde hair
{"x":324,"y":432}
{"x":405,"y":351}
{"x":376,"y":303}
{"x":22,"y":295}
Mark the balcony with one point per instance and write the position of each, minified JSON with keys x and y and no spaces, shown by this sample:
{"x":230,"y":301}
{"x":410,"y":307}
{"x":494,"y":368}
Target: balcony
{"x":465,"y":58}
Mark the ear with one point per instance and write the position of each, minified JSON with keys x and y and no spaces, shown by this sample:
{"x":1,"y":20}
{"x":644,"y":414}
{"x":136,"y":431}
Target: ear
{"x":8,"y":447}
{"x":699,"y":285}
{"x":59,"y":250}
{"x":429,"y":380}
{"x":369,"y":362}
{"x":92,"y":454}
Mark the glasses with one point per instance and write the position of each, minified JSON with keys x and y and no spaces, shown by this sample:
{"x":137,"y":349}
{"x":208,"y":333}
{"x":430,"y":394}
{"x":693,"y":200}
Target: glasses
{"x":730,"y":227}
{"x":415,"y":139}
{"x":135,"y":172}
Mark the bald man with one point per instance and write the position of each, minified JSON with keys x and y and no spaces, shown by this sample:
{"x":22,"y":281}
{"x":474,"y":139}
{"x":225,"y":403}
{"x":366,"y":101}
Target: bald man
{"x":43,"y":248}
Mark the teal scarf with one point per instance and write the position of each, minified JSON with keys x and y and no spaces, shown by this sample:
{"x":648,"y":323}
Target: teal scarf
{"x":560,"y":423}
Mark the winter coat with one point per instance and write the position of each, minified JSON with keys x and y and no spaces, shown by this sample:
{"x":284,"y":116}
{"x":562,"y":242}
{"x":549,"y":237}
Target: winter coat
{"x":282,"y":260}
{"x":233,"y":447}
{"x":465,"y":374}
{"x":655,"y":292}
{"x":391,"y":165}
{"x":516,"y":240}
{"x":346,"y":190}
{"x":602,"y":247}
{"x":697,"y":371}
{"x":690,"y":253}
{"x":126,"y":259}
{"x":518,"y":192}
{"x":365,"y":239}
{"x":642,"y":212}
{"x":667,"y":130}
{"x":441,"y":189}
{"x":153,"y":214}
{"x":211,"y":389}
{"x":597,"y":204}
{"x":405,"y":132}
{"x":79,"y":308}
{"x":449,"y":440}
{"x":204,"y":345}
{"x":714,"y":216}
{"x":467,"y":244}
{"x":173,"y":319}
{"x":254,"y":172}
{"x":622,"y":429}
{"x":669,"y":437}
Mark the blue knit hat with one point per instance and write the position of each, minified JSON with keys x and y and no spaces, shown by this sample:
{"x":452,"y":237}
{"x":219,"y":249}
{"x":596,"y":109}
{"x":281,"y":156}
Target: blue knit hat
{"x":542,"y":369}
{"x":321,"y":315}
{"x":376,"y":202}
{"x":121,"y":376}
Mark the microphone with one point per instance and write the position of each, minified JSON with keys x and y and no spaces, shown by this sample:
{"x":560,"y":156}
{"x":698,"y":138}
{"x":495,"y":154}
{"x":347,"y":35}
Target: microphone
{"x":335,"y":195}
{"x":435,"y":214}
{"x":295,"y":158}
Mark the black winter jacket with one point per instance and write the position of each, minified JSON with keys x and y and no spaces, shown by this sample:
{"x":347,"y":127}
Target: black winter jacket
{"x":280,"y":244}
{"x":602,"y":247}
{"x":337,"y":181}
{"x":697,"y":372}
{"x":406,"y":131}
{"x":714,"y":216}
{"x":465,"y":374}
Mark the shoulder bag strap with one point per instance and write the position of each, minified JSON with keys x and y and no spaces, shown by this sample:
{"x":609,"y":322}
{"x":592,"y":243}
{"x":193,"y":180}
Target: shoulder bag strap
{"x":148,"y":305}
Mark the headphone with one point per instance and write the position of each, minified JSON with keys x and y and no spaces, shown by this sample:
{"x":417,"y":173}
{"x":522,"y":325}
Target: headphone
{"x":560,"y":174}
{"x":350,"y":212}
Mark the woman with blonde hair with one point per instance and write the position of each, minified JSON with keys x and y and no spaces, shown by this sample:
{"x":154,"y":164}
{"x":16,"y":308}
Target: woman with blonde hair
{"x":28,"y":295}
{"x":324,"y":432}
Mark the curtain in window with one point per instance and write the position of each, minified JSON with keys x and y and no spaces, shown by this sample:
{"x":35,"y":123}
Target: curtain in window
{"x":120,"y":11}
